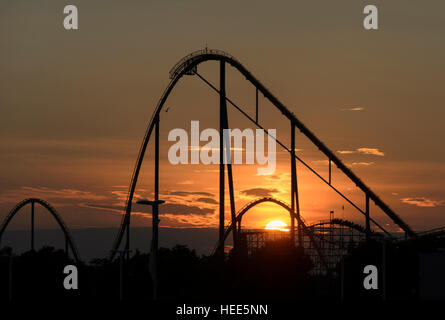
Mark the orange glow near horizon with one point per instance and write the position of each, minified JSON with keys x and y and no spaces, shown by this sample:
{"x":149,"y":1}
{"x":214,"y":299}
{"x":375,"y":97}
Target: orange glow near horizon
{"x":277,"y":225}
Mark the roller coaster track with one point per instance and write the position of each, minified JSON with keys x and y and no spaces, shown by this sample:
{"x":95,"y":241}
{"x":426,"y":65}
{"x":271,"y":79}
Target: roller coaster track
{"x":306,"y":230}
{"x":341,"y":222}
{"x":187,"y":66}
{"x":256,"y":202}
{"x":53,"y":212}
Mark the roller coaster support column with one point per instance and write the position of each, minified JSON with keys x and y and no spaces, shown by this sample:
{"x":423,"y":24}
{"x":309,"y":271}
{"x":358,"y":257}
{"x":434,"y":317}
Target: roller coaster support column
{"x":229,"y":173}
{"x":10,"y":277}
{"x":122,"y":257}
{"x":127,"y":242}
{"x":232,"y":197}
{"x":222,"y":111}
{"x":293,"y":167}
{"x":155,"y":208}
{"x":155,"y":213}
{"x":155,"y":216}
{"x":295,"y":203}
{"x":32,"y":225}
{"x":154,"y":243}
{"x":367,"y":220}
{"x":67,"y":247}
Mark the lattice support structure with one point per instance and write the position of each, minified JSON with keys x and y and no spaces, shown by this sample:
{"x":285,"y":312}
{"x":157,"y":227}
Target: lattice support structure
{"x":333,"y":240}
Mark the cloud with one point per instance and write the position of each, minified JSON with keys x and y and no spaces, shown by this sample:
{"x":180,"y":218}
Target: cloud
{"x":373,"y":151}
{"x":362,"y":164}
{"x":167,"y":208}
{"x":113,"y":208}
{"x":352,"y":109}
{"x":207,"y":200}
{"x":177,"y":209}
{"x":187,"y":221}
{"x":49,"y":194}
{"x":259,"y":192}
{"x":189,"y":193}
{"x":423,"y":202}
{"x":367,"y":151}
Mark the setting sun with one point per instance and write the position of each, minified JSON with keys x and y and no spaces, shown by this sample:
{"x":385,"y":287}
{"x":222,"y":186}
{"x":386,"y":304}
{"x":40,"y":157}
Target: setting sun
{"x":277,"y":225}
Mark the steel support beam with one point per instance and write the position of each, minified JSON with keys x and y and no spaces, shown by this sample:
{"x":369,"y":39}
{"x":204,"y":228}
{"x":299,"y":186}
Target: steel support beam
{"x":295,"y":198}
{"x":230,"y":176}
{"x":222,"y":110}
{"x":330,"y":172}
{"x":155,"y":216}
{"x":384,"y":270}
{"x":10,"y":278}
{"x":127,"y":243}
{"x":293,"y":174}
{"x":226,"y":150}
{"x":121,"y":275}
{"x":32,"y":225}
{"x":232,"y":204}
{"x":367,"y":220}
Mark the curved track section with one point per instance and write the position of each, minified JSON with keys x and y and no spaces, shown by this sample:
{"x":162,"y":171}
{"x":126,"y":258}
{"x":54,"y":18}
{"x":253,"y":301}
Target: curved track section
{"x":306,"y":230}
{"x":256,"y":202}
{"x":54,"y":213}
{"x":342,"y":223}
{"x":188,"y":65}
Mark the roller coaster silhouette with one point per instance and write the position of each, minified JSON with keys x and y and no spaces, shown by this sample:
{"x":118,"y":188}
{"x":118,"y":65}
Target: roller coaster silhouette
{"x":189,"y":66}
{"x":69,"y":242}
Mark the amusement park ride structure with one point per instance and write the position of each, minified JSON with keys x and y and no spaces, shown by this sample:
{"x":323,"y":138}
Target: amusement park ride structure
{"x":314,"y":237}
{"x":69,"y":242}
{"x":189,"y":66}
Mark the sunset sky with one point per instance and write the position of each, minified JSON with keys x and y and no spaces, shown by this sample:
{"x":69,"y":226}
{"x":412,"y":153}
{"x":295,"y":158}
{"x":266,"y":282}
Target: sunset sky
{"x":74,"y":106}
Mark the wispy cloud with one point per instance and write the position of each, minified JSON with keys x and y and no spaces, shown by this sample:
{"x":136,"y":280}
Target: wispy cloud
{"x":207,"y":200}
{"x":373,"y":151}
{"x":423,"y":202}
{"x":259,"y":192}
{"x":366,"y":164}
{"x":176,"y":209}
{"x":352,"y":109}
{"x":368,"y":151}
{"x":187,"y":221}
{"x":113,"y":208}
{"x":15,"y":195}
{"x":189,"y":193}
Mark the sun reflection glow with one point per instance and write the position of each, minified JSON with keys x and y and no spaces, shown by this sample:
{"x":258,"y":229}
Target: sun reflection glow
{"x":277,"y":225}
